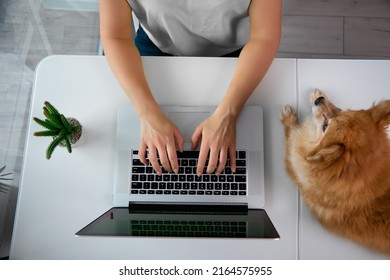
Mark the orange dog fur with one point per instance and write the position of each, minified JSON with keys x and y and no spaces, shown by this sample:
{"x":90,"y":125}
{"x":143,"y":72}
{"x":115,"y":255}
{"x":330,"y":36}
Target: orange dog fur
{"x":340,"y":161}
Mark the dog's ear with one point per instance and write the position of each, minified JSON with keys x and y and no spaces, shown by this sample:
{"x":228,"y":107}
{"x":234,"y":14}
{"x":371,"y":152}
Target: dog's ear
{"x":381,"y":113}
{"x":327,"y":155}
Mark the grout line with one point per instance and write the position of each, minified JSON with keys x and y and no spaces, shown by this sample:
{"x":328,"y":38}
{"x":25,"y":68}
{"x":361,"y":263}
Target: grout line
{"x":297,"y":94}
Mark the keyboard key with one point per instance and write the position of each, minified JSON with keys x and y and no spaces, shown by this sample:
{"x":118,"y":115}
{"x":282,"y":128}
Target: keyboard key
{"x":240,"y":178}
{"x":136,"y":185}
{"x":149,"y":169}
{"x":138,"y":169}
{"x":242,"y":154}
{"x":240,"y":170}
{"x":137,"y":162}
{"x":182,"y":178}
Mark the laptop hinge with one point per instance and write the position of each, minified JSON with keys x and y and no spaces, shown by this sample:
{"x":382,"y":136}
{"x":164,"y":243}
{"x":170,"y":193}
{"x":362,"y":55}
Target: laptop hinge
{"x":188,"y":207}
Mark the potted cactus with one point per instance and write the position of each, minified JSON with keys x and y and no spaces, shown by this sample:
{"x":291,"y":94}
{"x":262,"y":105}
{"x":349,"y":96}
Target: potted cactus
{"x":64,"y":131}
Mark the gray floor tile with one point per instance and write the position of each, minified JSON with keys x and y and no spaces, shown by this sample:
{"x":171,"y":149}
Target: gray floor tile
{"x":352,"y":8}
{"x":312,"y":34}
{"x":367,"y":35}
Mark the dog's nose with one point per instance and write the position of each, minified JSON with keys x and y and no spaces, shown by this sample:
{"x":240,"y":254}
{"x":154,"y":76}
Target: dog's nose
{"x":319,"y":101}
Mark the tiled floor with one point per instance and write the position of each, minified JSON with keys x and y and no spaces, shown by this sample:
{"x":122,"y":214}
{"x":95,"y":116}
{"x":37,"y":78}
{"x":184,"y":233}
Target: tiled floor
{"x":336,"y":29}
{"x":32,"y":29}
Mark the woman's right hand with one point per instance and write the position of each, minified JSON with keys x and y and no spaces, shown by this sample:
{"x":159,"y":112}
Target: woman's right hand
{"x":162,"y":139}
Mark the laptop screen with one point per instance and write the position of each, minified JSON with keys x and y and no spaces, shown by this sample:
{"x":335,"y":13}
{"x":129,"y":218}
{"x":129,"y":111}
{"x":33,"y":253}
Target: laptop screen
{"x":121,"y":221}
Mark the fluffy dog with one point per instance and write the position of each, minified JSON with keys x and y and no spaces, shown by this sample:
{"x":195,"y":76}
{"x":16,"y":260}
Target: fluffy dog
{"x":340,"y":161}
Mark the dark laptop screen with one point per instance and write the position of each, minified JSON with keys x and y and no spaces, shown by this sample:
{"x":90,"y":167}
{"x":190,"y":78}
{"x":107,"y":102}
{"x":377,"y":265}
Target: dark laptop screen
{"x":120,"y":221}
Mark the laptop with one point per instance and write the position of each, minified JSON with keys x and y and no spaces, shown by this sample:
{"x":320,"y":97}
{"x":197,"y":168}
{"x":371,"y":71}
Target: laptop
{"x":183,"y":204}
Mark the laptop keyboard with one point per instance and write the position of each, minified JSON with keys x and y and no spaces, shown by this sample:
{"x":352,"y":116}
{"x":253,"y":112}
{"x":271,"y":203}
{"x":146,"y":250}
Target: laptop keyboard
{"x":144,"y":180}
{"x":189,"y":228}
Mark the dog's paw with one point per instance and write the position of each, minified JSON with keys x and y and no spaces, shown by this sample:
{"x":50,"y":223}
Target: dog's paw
{"x":317,"y":97}
{"x":288,"y":116}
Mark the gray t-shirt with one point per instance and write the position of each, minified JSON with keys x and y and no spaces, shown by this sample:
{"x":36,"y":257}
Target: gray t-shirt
{"x":194,"y":27}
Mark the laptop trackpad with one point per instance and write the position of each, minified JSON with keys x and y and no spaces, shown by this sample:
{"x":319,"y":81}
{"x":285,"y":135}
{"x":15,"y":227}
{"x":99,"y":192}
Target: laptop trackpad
{"x":186,"y":122}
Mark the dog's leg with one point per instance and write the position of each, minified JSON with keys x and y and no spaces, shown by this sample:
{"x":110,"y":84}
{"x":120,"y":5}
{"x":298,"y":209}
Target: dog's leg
{"x":289,"y":118}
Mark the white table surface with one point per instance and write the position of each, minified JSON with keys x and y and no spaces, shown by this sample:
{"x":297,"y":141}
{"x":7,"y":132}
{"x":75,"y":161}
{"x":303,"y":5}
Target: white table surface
{"x":60,"y":196}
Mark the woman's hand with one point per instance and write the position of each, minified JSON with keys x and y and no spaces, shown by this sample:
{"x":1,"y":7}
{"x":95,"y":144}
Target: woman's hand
{"x":162,"y":139}
{"x":218,"y":141}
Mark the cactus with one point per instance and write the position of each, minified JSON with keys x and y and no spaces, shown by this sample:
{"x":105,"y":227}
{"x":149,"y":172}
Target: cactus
{"x":58,"y":127}
{"x":4,"y":188}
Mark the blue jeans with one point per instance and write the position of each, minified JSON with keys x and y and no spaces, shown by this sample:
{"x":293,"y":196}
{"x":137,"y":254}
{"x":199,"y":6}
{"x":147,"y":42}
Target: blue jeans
{"x":147,"y":48}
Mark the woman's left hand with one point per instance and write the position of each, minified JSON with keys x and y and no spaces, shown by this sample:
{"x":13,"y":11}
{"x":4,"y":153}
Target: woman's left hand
{"x":217,"y":137}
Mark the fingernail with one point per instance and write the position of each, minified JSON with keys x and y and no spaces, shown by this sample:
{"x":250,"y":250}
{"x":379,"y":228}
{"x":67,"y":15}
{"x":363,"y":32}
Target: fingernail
{"x":176,"y":171}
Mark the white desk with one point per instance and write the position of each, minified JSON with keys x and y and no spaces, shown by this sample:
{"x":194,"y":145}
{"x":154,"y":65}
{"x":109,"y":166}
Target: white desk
{"x":60,"y":196}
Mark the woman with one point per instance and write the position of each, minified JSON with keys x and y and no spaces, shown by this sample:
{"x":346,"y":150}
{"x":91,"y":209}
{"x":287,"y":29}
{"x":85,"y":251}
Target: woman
{"x":251,"y":28}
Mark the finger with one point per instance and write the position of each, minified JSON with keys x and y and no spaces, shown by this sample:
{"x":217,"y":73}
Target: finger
{"x":196,"y":136}
{"x":179,"y":140}
{"x":232,"y":158}
{"x":172,"y":155}
{"x":213,"y":161}
{"x":203,"y":154}
{"x":142,"y":153}
{"x":222,"y":161}
{"x":154,"y":161}
{"x":164,"y":159}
